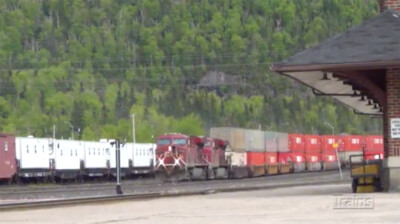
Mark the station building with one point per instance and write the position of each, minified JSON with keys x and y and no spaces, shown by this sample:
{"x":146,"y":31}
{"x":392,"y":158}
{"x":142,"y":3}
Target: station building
{"x":361,"y":69}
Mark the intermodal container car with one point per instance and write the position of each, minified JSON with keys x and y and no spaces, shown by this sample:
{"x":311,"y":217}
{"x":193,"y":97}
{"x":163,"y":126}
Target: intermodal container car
{"x":373,"y":147}
{"x":313,"y":151}
{"x":256,"y":163}
{"x":271,"y":162}
{"x":285,"y":162}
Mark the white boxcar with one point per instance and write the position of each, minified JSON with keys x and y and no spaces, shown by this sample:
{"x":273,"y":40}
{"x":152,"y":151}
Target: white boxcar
{"x":68,"y":154}
{"x":33,"y":156}
{"x":97,"y":157}
{"x":125,"y":156}
{"x":143,"y":157}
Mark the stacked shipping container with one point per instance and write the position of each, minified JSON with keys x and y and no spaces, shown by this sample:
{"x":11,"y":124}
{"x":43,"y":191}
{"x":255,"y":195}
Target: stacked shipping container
{"x":297,"y":149}
{"x":329,"y":156}
{"x":271,"y":153}
{"x":236,"y":150}
{"x":313,"y":153}
{"x":373,"y":147}
{"x":284,"y":155}
{"x":274,"y":152}
{"x":350,"y":145}
{"x":255,"y":152}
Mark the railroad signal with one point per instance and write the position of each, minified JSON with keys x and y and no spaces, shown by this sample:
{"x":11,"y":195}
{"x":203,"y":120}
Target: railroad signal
{"x":117,"y":144}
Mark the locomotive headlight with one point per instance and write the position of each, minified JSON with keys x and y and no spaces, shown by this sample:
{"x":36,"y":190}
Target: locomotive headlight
{"x":170,"y":148}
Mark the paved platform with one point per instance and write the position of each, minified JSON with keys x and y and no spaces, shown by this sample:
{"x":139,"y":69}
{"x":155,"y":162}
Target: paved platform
{"x":307,"y":204}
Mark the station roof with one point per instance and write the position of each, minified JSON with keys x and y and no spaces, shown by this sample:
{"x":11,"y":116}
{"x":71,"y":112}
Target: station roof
{"x":345,"y":65}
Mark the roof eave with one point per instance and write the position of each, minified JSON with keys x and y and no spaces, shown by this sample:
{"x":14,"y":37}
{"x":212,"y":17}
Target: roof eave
{"x":336,"y":67}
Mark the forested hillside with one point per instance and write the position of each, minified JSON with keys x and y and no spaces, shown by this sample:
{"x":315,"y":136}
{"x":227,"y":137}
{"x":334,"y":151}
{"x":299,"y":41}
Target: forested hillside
{"x":92,"y":63}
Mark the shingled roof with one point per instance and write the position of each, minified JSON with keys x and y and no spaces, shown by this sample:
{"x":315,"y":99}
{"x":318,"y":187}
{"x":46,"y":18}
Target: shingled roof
{"x":376,"y":42}
{"x":348,"y":65}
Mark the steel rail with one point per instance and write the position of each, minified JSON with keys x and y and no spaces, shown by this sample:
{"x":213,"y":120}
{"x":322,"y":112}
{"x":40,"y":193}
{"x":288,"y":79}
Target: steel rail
{"x":155,"y":195}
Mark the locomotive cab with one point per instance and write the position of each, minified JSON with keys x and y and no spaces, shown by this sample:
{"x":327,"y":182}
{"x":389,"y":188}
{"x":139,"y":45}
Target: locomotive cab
{"x":172,"y":154}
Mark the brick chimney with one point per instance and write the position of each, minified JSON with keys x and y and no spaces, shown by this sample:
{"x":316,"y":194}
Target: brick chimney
{"x":389,"y":4}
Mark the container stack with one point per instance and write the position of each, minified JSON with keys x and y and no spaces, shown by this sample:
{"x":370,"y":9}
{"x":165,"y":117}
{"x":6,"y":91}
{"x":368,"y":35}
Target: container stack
{"x":329,"y":156}
{"x":373,"y":147}
{"x":255,"y":151}
{"x":284,"y":155}
{"x":236,"y":151}
{"x":313,"y":152}
{"x":297,"y":149}
{"x":350,"y":145}
{"x":271,"y":152}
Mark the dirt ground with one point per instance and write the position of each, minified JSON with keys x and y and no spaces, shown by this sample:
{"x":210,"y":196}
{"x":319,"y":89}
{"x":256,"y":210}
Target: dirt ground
{"x":308,"y":204}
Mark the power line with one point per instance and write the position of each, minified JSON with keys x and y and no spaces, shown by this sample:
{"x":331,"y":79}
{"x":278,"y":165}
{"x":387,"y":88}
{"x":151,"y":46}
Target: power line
{"x":140,"y":58}
{"x":146,"y":68}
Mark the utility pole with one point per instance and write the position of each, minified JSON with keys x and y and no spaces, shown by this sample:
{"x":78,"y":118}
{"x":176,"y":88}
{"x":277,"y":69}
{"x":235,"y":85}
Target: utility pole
{"x":133,"y":128}
{"x":335,"y":145}
{"x":54,"y":132}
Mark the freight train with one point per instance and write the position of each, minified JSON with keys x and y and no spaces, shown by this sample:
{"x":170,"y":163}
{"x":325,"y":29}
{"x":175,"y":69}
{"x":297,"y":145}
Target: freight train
{"x":31,"y":159}
{"x":227,"y":153}
{"x":238,"y":153}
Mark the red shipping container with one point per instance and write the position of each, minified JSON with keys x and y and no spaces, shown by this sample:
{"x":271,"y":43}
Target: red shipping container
{"x":327,"y":142}
{"x":8,"y":165}
{"x":312,"y":143}
{"x":255,"y":159}
{"x":373,"y":143}
{"x":296,"y":143}
{"x":313,"y":157}
{"x":329,"y":157}
{"x":284,"y":158}
{"x":350,"y":143}
{"x":298,"y":157}
{"x":271,"y":158}
{"x":373,"y":155}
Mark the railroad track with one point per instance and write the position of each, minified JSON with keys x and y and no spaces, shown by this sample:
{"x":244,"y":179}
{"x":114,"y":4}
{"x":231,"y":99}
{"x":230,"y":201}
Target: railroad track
{"x":37,"y":188}
{"x":60,"y":193}
{"x":167,"y":193}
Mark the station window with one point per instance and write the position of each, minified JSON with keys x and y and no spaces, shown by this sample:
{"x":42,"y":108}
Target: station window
{"x":298,"y":140}
{"x":330,"y":140}
{"x":35,"y":149}
{"x":89,"y":151}
{"x":43,"y":148}
{"x":6,"y":146}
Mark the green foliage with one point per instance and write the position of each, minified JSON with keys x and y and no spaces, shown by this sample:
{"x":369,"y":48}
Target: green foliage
{"x":93,"y":63}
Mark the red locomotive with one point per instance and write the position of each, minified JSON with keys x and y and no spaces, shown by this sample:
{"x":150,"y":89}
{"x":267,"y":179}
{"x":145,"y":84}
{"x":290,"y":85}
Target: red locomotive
{"x":182,"y":157}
